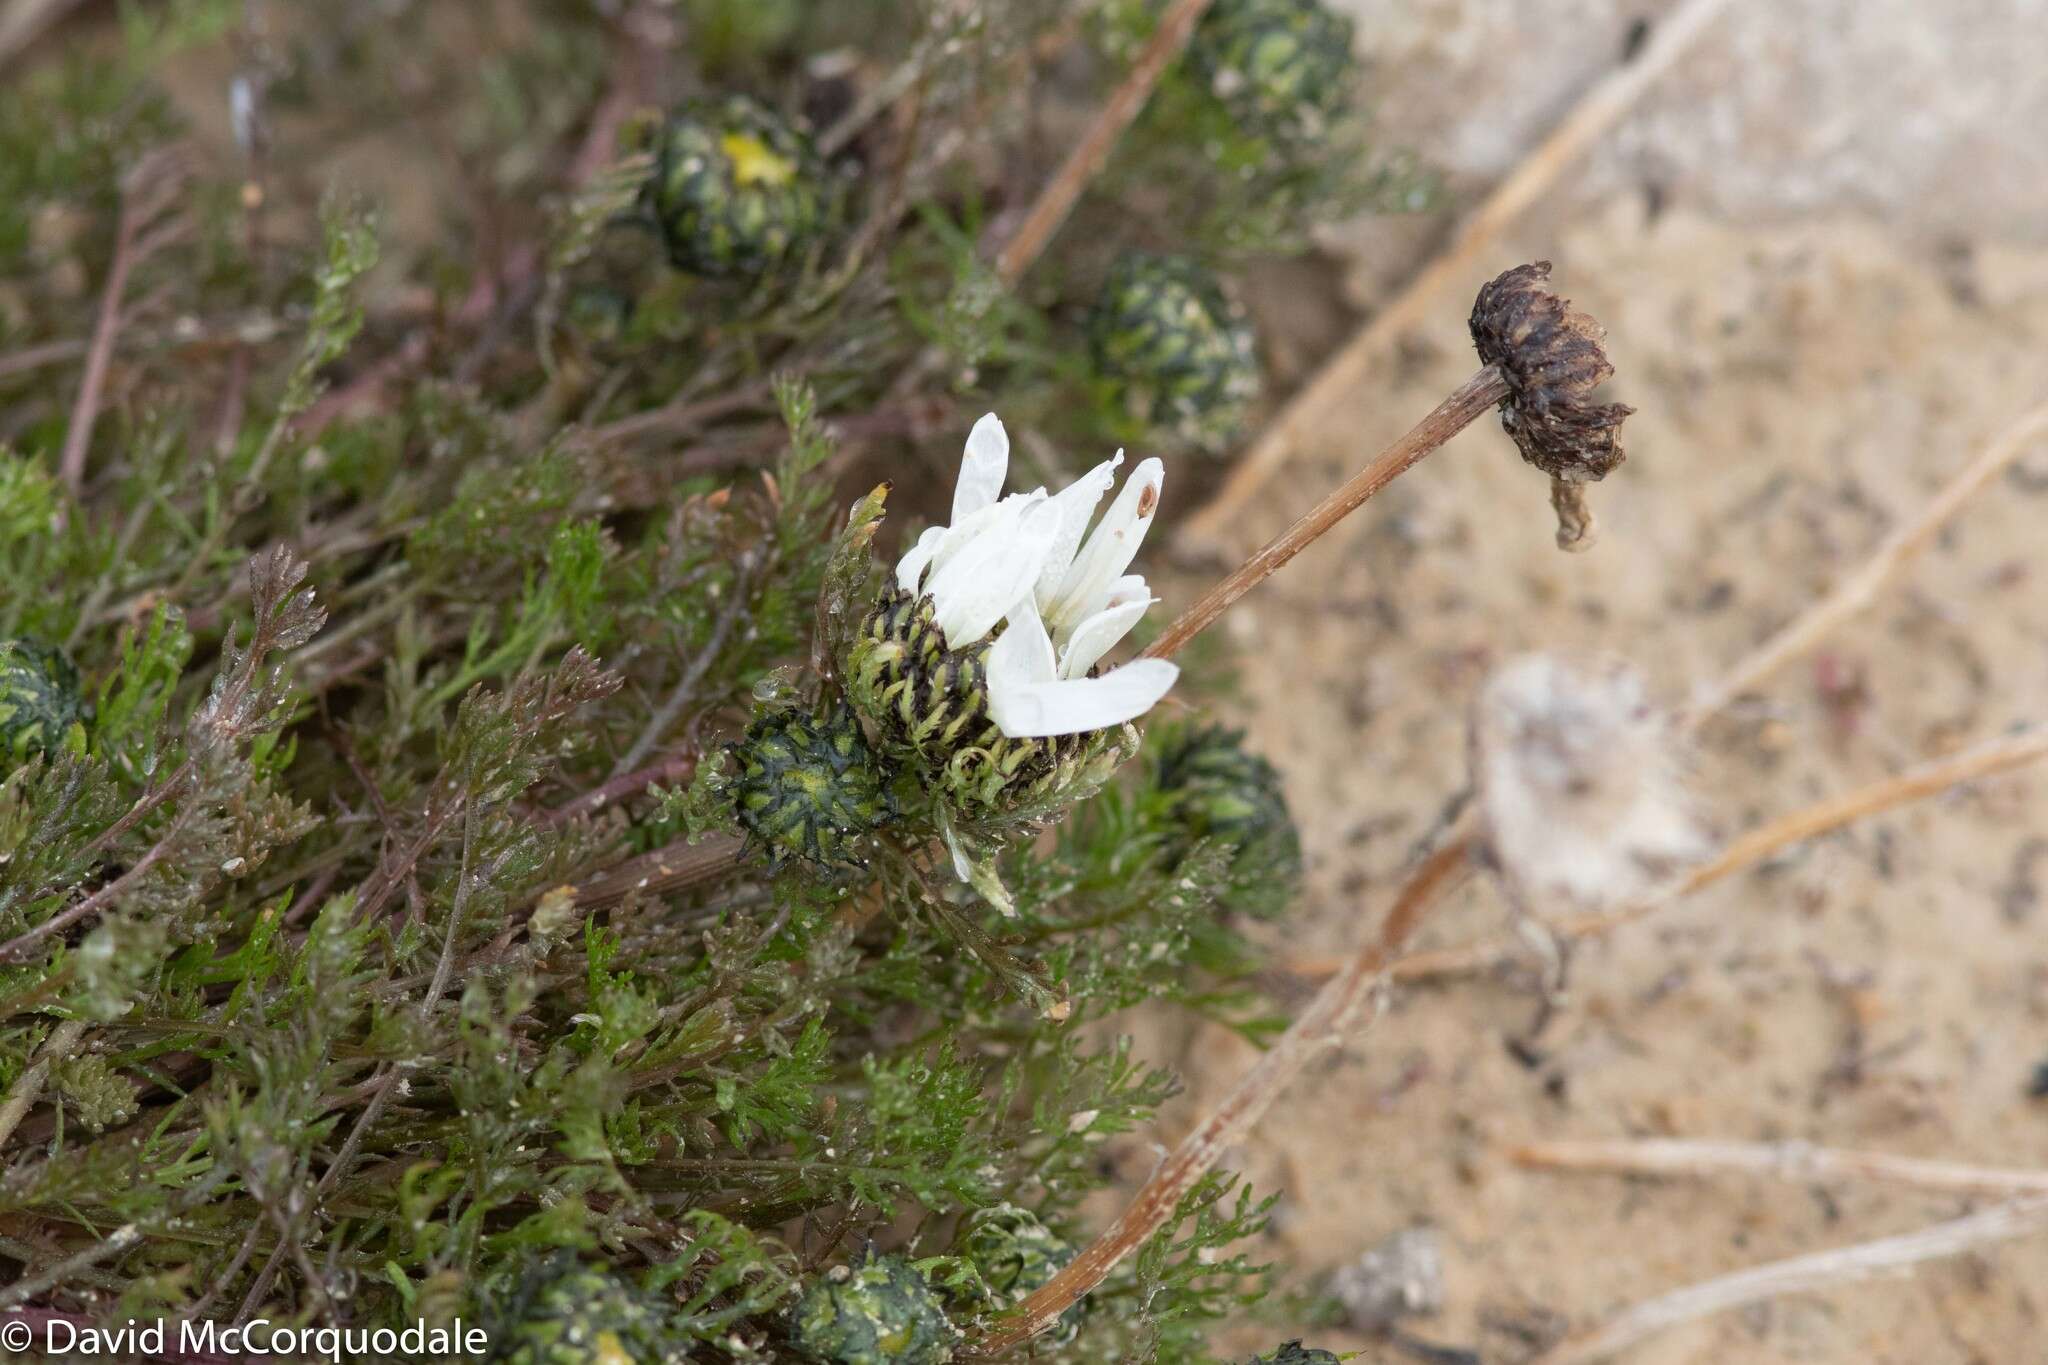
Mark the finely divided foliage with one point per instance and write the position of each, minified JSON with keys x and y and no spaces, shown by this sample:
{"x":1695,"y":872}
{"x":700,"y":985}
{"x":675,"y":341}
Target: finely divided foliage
{"x":485,"y":830}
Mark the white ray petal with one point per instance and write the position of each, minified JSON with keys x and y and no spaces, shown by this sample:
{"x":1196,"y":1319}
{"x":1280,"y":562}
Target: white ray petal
{"x":983,"y":468}
{"x":1042,"y":710}
{"x":1097,"y":635}
{"x":1022,"y":655}
{"x":1077,"y":507}
{"x":1110,"y":548}
{"x":980,"y":583}
{"x":910,"y":569}
{"x":1130,"y":588}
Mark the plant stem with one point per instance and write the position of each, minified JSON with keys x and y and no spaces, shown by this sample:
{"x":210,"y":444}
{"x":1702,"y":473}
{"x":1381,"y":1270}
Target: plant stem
{"x":1808,"y":822}
{"x":1797,"y":1161}
{"x":29,"y":1084}
{"x":1465,"y":403}
{"x":738,"y":598}
{"x":1329,"y":1018}
{"x":1344,"y":373}
{"x":1802,"y":1275}
{"x":1091,"y":153}
{"x":1336,"y":1009}
{"x":142,"y":198}
{"x":1855,"y":592}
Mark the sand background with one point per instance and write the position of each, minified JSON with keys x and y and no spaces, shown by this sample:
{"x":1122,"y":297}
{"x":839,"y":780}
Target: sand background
{"x":1820,"y":248}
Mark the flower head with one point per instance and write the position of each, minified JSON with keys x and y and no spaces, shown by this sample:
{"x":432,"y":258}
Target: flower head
{"x":1029,"y":563}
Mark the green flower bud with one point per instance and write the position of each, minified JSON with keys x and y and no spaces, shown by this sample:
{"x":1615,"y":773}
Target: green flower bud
{"x":1173,"y":349}
{"x":809,"y":788}
{"x":1294,"y":1353}
{"x":39,"y":699}
{"x":1015,"y":1255}
{"x":566,"y":1313}
{"x":1281,"y":67}
{"x":882,"y":1312}
{"x":736,"y":189}
{"x":1221,"y":790}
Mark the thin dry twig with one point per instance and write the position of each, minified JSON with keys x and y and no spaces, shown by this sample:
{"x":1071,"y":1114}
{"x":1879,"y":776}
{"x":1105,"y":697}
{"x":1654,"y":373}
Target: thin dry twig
{"x":1809,"y":822}
{"x":1802,"y":1275}
{"x":1346,"y":372}
{"x":1856,"y":591}
{"x":24,"y":21}
{"x":1337,"y":1010}
{"x":1798,"y":1161}
{"x":147,"y":193}
{"x":1091,"y":153}
{"x":1464,"y":404}
{"x":738,"y":598}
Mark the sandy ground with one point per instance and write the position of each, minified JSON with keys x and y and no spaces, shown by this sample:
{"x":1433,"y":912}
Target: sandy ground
{"x":1806,"y":371}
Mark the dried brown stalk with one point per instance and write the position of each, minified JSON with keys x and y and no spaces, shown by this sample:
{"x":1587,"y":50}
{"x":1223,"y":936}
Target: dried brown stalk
{"x":1809,"y":822}
{"x":141,"y":230}
{"x":1855,"y":592}
{"x":1802,"y":1275}
{"x":1086,"y":161}
{"x":1330,"y":1018}
{"x":1800,"y":1161}
{"x":1336,"y":1010}
{"x":670,"y":868}
{"x":1348,"y":371}
{"x":1465,"y":403}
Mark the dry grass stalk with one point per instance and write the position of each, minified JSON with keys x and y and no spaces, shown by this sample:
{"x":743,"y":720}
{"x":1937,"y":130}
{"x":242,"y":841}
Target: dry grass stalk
{"x":1802,"y":1275}
{"x":1808,"y":822}
{"x":1086,"y":161}
{"x":1800,"y":1161}
{"x":1348,"y":371}
{"x":1856,"y":591}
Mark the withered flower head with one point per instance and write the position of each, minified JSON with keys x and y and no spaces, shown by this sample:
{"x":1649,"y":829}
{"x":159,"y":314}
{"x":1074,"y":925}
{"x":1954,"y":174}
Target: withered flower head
{"x":1550,"y":353}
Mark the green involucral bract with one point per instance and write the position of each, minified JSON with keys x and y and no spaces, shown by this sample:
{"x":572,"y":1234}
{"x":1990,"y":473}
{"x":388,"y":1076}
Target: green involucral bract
{"x":881,"y":1312}
{"x":567,"y":1313}
{"x":1281,"y":67}
{"x":1294,"y":1353}
{"x":39,"y":700}
{"x":736,"y":189}
{"x":1221,"y":790}
{"x":1173,"y":349}
{"x":809,"y":788}
{"x":929,"y":703}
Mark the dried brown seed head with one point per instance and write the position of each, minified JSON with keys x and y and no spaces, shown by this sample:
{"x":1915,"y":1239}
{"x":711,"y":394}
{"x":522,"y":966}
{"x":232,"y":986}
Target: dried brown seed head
{"x":1550,"y":353}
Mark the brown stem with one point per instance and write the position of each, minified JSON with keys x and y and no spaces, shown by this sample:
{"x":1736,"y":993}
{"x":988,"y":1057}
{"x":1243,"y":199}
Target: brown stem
{"x":1796,"y":1161}
{"x":144,"y":194}
{"x":666,"y":869}
{"x":675,"y":768}
{"x":1471,"y":398}
{"x":1085,"y":162}
{"x":1335,"y":1008}
{"x":1802,"y":1275}
{"x":1855,"y":591}
{"x":1323,"y":1025}
{"x":1344,"y":373}
{"x":1765,"y":841}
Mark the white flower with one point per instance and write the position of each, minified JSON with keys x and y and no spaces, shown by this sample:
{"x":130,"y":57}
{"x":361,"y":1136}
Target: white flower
{"x":1030,"y":560}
